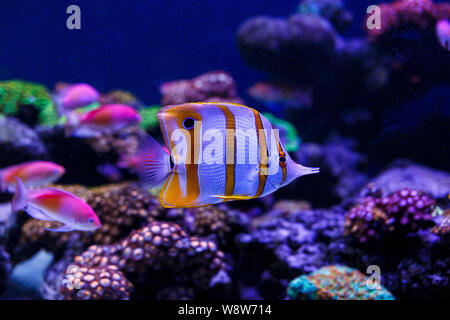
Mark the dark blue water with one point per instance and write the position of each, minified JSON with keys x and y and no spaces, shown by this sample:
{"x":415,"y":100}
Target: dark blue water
{"x":132,"y":45}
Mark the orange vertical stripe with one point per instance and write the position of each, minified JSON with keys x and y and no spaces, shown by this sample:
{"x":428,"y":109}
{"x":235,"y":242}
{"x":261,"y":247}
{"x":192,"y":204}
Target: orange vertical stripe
{"x":282,"y":154}
{"x":230,"y":150}
{"x":263,"y":159}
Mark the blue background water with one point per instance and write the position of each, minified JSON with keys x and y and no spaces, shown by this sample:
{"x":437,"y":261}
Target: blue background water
{"x":133,"y":45}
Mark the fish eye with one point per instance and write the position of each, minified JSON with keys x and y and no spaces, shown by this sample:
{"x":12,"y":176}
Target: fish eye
{"x":282,"y":159}
{"x":189,"y":123}
{"x":90,"y":220}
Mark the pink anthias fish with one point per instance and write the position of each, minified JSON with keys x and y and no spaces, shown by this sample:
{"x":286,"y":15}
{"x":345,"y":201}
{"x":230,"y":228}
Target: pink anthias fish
{"x":105,"y":119}
{"x":55,"y":205}
{"x":130,"y":161}
{"x":133,"y":162}
{"x":33,"y":173}
{"x":443,"y":33}
{"x":278,"y":94}
{"x":75,"y":96}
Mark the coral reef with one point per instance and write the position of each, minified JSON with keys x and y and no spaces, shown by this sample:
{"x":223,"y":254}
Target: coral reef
{"x":97,"y":283}
{"x":409,"y":14}
{"x":336,"y":283}
{"x":341,"y":170}
{"x":29,"y":102}
{"x":357,"y":103}
{"x":366,"y":79}
{"x":291,"y":240}
{"x":157,"y":247}
{"x":423,"y":275}
{"x":119,"y":97}
{"x":405,"y":174}
{"x":275,"y":45}
{"x":217,"y":223}
{"x":211,"y":86}
{"x":85,"y":157}
{"x":5,"y":267}
{"x":149,"y":118}
{"x":18,"y":143}
{"x":332,"y":10}
{"x":120,"y":207}
{"x":403,"y":211}
{"x":286,"y":243}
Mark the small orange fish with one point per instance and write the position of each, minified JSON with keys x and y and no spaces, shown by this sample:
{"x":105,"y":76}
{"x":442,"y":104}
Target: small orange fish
{"x":105,"y":119}
{"x":33,"y":173}
{"x":274,"y":95}
{"x":55,"y":205}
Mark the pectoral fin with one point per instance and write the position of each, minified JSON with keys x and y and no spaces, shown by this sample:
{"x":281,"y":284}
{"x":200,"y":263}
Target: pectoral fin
{"x":64,"y":228}
{"x":37,"y":213}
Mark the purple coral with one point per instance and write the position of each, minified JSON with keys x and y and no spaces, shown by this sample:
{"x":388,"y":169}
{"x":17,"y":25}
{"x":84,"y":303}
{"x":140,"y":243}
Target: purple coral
{"x":403,"y":211}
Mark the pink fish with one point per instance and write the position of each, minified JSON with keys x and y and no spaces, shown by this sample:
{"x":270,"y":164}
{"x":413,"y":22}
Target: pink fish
{"x":275,"y":95}
{"x":105,"y":119}
{"x":75,"y":96}
{"x":33,"y":173}
{"x":129,"y":161}
{"x":443,"y":33}
{"x":55,"y":205}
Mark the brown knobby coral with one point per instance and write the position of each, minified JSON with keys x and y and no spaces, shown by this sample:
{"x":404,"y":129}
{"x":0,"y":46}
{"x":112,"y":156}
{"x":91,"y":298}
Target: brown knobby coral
{"x":158,"y":247}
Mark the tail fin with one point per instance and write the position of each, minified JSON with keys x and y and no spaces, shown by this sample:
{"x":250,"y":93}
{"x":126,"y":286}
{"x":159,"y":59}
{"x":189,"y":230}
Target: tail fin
{"x":72,"y":121}
{"x":155,"y":165}
{"x":20,"y":199}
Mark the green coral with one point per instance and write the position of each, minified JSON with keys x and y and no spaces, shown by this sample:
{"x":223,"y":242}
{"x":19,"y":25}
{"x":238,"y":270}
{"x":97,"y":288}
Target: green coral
{"x":291,"y":138}
{"x":82,"y":110}
{"x":336,"y":283}
{"x":14,"y":93}
{"x":149,"y":117}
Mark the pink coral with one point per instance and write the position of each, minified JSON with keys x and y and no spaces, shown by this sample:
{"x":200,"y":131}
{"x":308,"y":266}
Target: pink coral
{"x":211,"y":86}
{"x":405,"y":13}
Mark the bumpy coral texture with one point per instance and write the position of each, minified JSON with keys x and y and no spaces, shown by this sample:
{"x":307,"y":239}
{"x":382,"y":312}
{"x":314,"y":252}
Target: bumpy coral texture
{"x":120,"y":207}
{"x":211,"y":86}
{"x":159,"y":246}
{"x":118,"y":96}
{"x":100,"y":283}
{"x":18,"y":97}
{"x":403,"y":211}
{"x":336,"y":283}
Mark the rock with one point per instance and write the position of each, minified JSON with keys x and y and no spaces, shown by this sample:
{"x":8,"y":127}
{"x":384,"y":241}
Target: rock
{"x":405,"y":174}
{"x":18,"y":143}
